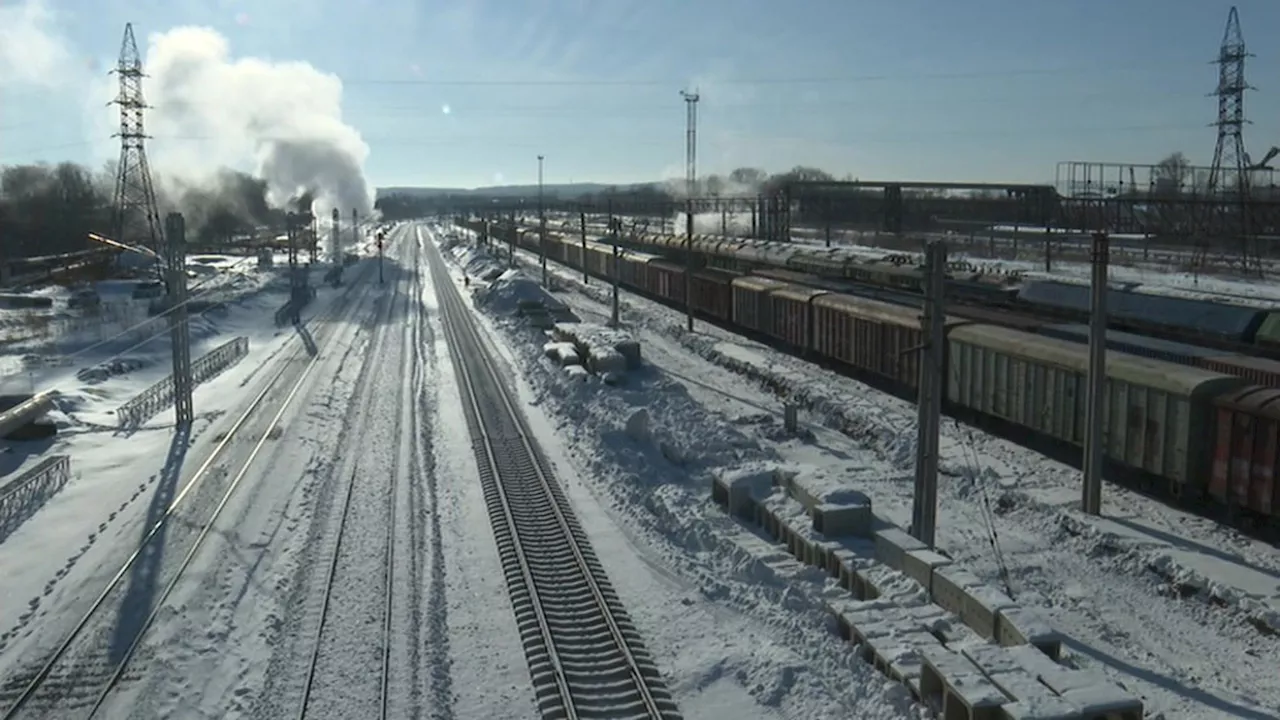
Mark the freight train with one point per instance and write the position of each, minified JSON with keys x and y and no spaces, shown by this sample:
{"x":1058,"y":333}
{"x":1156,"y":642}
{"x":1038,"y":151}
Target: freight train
{"x":1202,"y":435}
{"x":1222,"y":325}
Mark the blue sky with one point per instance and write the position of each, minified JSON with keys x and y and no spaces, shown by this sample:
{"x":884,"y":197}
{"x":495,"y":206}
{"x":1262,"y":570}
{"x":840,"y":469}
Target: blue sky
{"x":468,"y":92}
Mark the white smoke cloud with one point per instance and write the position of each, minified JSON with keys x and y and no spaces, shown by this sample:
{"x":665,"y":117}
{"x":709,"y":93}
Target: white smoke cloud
{"x":284,"y":119}
{"x":32,"y":52}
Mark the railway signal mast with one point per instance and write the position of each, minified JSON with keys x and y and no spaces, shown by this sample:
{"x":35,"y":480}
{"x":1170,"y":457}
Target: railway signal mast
{"x":924,"y":511}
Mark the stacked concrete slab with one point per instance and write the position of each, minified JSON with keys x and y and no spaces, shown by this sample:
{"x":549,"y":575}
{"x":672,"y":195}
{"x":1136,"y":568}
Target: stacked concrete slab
{"x":960,"y":645}
{"x":607,"y":350}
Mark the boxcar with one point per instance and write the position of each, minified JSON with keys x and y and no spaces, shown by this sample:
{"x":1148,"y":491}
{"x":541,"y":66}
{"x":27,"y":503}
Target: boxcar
{"x":713,"y":292}
{"x":666,"y":280}
{"x":633,"y":268}
{"x":1246,"y":442}
{"x":752,"y":308}
{"x":1268,"y":332}
{"x":1257,"y":370}
{"x":880,"y":338}
{"x":1155,"y":417}
{"x":573,"y":253}
{"x":792,"y":320}
{"x":599,"y":260}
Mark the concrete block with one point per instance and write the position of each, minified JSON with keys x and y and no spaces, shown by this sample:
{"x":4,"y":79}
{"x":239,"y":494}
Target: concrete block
{"x":1090,"y":692}
{"x":1018,"y":625}
{"x":892,"y":544}
{"x":957,"y":688}
{"x":742,"y":489}
{"x":950,"y":585}
{"x":841,"y":520}
{"x":920,"y":564}
{"x":1034,"y":700}
{"x":1105,"y":701}
{"x":983,"y":607}
{"x":900,"y":656}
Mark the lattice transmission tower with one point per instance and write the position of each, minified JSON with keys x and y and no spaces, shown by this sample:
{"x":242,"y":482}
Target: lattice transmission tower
{"x":1227,"y":194}
{"x":135,"y":218}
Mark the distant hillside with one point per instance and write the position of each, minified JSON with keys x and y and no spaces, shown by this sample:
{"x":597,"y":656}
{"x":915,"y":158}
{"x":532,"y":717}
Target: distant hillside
{"x":567,"y":190}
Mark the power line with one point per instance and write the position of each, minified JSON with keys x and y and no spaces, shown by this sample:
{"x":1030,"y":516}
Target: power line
{"x":1109,"y":69}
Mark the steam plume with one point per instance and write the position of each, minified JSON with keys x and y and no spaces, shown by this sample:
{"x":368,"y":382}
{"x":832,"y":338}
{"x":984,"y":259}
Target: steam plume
{"x":283,"y":118}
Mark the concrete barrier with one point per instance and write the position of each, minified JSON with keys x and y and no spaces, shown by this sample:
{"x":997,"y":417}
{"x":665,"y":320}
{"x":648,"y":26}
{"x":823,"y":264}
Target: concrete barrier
{"x":957,"y":643}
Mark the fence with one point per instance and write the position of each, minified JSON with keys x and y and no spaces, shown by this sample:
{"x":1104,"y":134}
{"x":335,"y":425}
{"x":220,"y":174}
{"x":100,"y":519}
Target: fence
{"x":159,"y":396}
{"x":23,"y":495}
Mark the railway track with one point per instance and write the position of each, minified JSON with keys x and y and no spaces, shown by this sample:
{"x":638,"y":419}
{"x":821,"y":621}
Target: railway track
{"x":350,"y":633}
{"x":75,"y":679}
{"x":585,"y":657}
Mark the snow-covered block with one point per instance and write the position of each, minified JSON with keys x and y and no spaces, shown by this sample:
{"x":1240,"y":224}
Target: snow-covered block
{"x":1105,"y":701}
{"x":1018,"y":625}
{"x":605,"y":360}
{"x":741,"y":489}
{"x":892,"y":544}
{"x":603,"y":342}
{"x":577,"y":372}
{"x":878,"y":618}
{"x":949,"y":588}
{"x":982,"y":609}
{"x":956,"y":688}
{"x":813,"y":486}
{"x":876,"y":580}
{"x":563,"y":353}
{"x":900,"y":655}
{"x":1033,"y":699}
{"x":920,"y":564}
{"x":1089,"y":691}
{"x":836,"y":520}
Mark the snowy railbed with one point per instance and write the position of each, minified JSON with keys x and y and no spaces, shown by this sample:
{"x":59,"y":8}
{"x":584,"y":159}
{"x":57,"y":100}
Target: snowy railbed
{"x":647,"y":451}
{"x":1114,"y":584}
{"x":54,"y":559}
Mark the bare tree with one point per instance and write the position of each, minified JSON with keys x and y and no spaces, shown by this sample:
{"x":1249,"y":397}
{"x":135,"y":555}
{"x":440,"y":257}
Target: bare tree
{"x":1172,"y":174}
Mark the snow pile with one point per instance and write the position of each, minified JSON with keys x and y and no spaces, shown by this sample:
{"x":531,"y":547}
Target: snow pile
{"x":606,"y":350}
{"x":512,"y":292}
{"x":116,"y":366}
{"x":1179,"y":580}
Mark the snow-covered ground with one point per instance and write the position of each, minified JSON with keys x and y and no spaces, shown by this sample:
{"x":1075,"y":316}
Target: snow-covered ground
{"x":737,"y":631}
{"x":58,"y":559}
{"x":1170,"y":606}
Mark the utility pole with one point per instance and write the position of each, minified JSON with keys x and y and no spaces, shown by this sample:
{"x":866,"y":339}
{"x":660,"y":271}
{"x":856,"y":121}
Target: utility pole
{"x":924,"y":513}
{"x":614,"y":225}
{"x":691,"y":179}
{"x":1091,"y":499}
{"x":582,"y":223}
{"x":135,"y":218}
{"x":542,"y":225}
{"x":179,"y":329}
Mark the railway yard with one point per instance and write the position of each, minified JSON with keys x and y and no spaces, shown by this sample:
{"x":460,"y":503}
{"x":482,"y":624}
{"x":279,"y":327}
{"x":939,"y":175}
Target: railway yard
{"x":450,"y":491}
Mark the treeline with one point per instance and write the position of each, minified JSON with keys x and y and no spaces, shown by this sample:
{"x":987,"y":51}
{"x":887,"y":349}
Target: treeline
{"x":742,"y":182}
{"x":47,"y":209}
